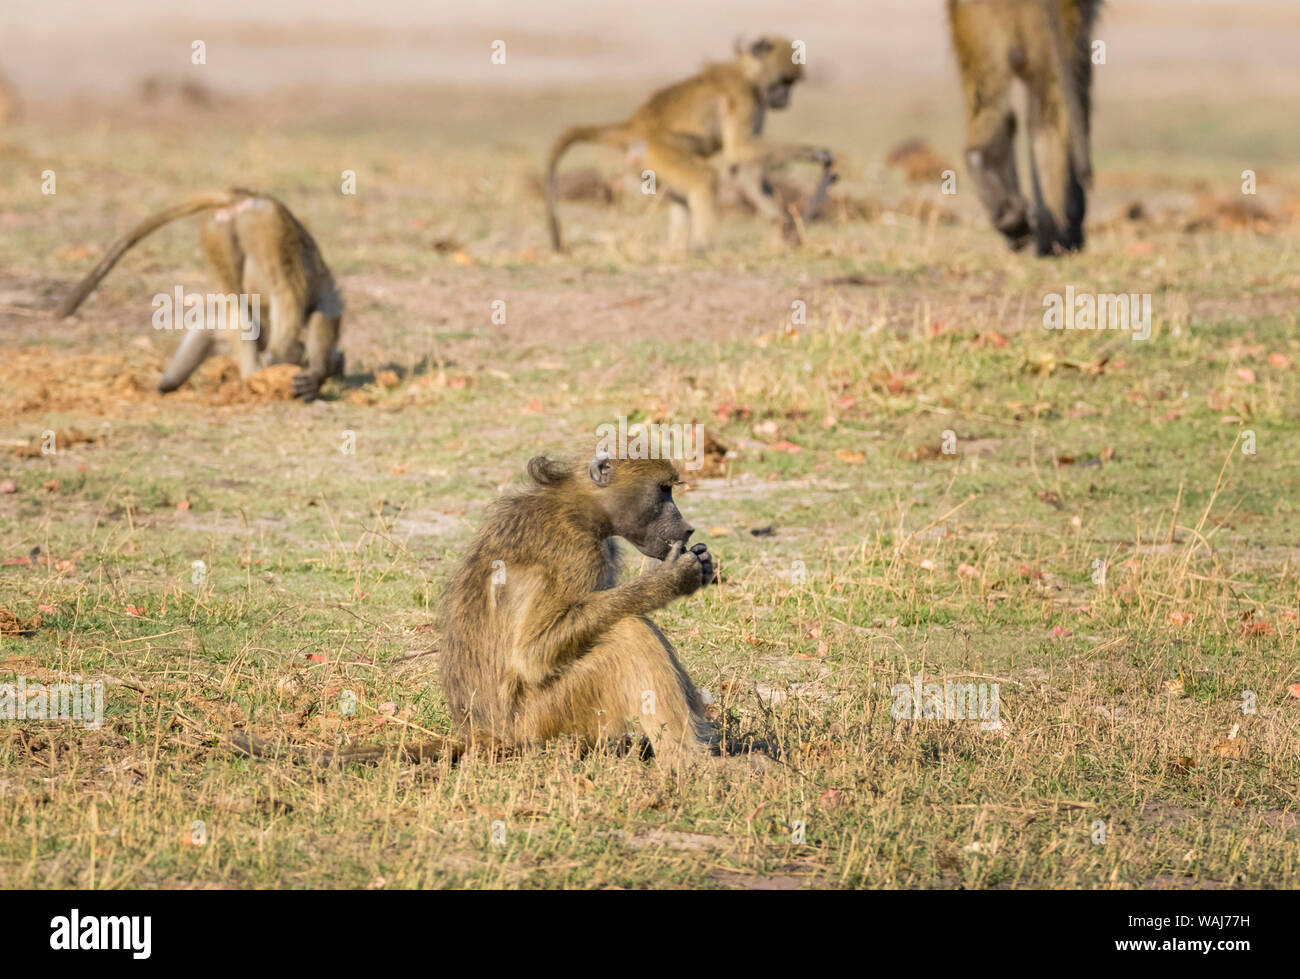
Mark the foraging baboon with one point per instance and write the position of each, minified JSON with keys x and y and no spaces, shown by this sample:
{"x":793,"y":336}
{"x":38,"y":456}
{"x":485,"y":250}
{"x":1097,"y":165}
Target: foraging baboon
{"x":541,"y":641}
{"x":679,"y":132}
{"x":1046,"y":44}
{"x":256,"y":248}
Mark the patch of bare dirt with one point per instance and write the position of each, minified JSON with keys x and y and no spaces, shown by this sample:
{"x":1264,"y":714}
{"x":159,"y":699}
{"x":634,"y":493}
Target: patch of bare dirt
{"x":64,"y":438}
{"x":12,"y":625}
{"x":762,"y":882}
{"x":39,"y":381}
{"x":1206,"y":213}
{"x":672,"y":840}
{"x":919,"y":163}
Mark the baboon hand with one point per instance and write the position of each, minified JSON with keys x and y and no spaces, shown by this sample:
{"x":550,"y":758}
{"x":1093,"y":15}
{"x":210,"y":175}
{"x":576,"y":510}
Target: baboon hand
{"x":690,"y":569}
{"x":701,"y":551}
{"x":825,"y":157}
{"x":306,"y":385}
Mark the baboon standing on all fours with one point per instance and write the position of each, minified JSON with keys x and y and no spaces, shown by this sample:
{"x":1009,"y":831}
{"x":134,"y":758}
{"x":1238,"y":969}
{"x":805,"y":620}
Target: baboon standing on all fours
{"x":255,"y":247}
{"x":542,"y":641}
{"x":1046,"y":44}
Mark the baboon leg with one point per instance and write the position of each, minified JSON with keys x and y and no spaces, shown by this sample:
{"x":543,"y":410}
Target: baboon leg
{"x":322,"y":335}
{"x":692,"y":179}
{"x":632,"y":674}
{"x":757,"y":190}
{"x":226,"y":259}
{"x":322,"y":359}
{"x":986,"y":69}
{"x":703,"y":216}
{"x":283,"y":341}
{"x":679,"y":223}
{"x":274,"y":268}
{"x":250,"y":361}
{"x":750,"y":181}
{"x":813,"y":209}
{"x":221,"y":248}
{"x":991,"y":160}
{"x":1058,"y":194}
{"x":193,"y":351}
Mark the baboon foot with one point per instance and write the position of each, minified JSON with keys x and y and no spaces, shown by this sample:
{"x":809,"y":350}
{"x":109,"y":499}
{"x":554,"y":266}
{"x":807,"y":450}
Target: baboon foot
{"x":1017,"y":242}
{"x":1016,"y":229}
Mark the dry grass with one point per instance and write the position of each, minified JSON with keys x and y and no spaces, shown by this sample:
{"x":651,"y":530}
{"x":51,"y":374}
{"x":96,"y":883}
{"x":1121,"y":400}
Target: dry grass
{"x":878,"y":557}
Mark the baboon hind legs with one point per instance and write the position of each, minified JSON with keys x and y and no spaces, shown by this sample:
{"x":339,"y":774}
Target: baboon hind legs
{"x":631,"y":678}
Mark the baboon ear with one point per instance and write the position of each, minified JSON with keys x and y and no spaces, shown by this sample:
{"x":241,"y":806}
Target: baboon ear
{"x":601,"y":468}
{"x":760,"y":47}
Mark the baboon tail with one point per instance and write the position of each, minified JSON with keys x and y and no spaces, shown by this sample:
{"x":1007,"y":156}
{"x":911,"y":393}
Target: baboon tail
{"x":1068,"y":44}
{"x":193,"y":205}
{"x":251,"y":746}
{"x":612,"y":135}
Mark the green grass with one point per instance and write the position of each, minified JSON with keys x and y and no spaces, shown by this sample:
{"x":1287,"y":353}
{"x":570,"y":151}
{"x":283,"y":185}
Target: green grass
{"x":887,"y":560}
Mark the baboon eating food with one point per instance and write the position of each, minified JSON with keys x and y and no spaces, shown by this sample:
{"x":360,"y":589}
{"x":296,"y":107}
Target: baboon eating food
{"x":1046,"y":44}
{"x":259,"y":250}
{"x":714,"y":116}
{"x":542,"y":641}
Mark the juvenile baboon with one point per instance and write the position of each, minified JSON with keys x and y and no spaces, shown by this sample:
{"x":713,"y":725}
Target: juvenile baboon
{"x":1046,"y":44}
{"x":713,"y":117}
{"x":256,"y":248}
{"x":540,"y":639}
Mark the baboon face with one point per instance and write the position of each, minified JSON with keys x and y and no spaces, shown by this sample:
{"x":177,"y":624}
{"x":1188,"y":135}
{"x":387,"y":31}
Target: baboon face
{"x":769,"y":64}
{"x":637,"y":495}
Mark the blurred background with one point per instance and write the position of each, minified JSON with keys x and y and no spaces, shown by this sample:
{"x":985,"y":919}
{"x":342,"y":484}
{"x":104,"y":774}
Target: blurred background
{"x":448,"y":147}
{"x":63,"y":48}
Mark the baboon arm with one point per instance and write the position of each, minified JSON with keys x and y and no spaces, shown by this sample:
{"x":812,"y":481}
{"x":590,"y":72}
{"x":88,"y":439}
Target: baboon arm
{"x":579,"y":626}
{"x":749,"y":181}
{"x":740,"y":146}
{"x":778,"y":154}
{"x":193,"y":350}
{"x":813,"y":209}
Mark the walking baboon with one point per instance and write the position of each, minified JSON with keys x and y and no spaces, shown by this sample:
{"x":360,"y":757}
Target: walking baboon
{"x":1046,"y":44}
{"x":258,"y":249}
{"x":714,"y":116}
{"x":540,"y":639}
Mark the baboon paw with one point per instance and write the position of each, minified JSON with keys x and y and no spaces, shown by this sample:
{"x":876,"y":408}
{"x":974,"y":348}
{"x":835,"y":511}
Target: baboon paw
{"x":707,"y":573}
{"x":306,"y":386}
{"x":691,"y":569}
{"x":1018,"y":242}
{"x":825,"y":157}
